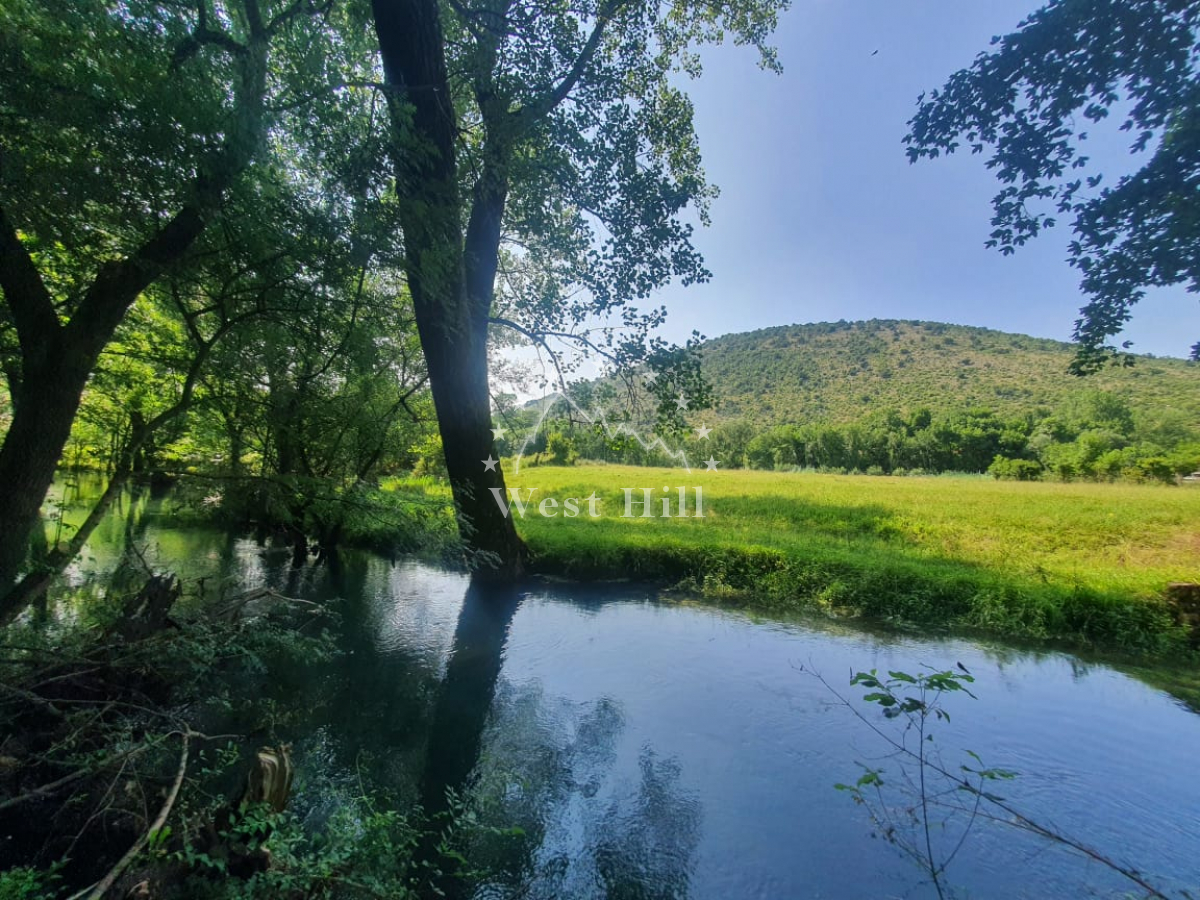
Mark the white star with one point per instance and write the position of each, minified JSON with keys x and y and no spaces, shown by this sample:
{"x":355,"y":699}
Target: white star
{"x":710,"y":464}
{"x":498,"y":433}
{"x":650,"y":379}
{"x":702,"y":433}
{"x":489,"y":464}
{"x":681,"y":402}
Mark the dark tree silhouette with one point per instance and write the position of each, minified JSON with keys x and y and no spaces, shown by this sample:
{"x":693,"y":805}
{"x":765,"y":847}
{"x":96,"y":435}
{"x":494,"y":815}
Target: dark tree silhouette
{"x":1029,"y":103}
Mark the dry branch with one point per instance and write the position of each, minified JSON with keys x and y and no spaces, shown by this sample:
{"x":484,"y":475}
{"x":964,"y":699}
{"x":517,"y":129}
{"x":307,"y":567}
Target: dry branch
{"x":105,"y":884}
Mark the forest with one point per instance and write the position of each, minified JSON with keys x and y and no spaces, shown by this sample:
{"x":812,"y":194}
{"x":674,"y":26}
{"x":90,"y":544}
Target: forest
{"x":1092,"y":435}
{"x":894,"y":397}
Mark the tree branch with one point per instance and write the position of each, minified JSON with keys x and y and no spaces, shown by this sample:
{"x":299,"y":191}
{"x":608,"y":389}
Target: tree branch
{"x":103,"y":886}
{"x":25,"y":293}
{"x":530,"y":113}
{"x":307,"y":7}
{"x":539,"y":339}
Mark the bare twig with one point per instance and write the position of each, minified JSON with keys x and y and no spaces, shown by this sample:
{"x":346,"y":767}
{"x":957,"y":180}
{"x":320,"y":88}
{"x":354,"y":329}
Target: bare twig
{"x":40,"y":702}
{"x":102,"y":887}
{"x":1016,"y":819}
{"x":53,"y":786}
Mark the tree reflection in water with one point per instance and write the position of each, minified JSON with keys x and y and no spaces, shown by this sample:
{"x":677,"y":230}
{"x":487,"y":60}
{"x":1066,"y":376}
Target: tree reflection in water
{"x":553,"y":769}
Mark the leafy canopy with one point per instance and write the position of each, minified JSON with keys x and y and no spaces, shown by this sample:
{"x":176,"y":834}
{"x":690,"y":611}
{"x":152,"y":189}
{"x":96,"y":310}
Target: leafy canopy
{"x":582,"y":107}
{"x":1030,"y":102}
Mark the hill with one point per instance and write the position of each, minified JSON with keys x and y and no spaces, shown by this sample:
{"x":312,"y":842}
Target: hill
{"x":843,"y":371}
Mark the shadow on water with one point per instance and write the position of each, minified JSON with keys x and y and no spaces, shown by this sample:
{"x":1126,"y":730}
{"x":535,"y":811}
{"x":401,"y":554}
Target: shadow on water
{"x":610,"y":745}
{"x":465,"y":697}
{"x":569,"y":811}
{"x":558,"y":813}
{"x":460,"y":714}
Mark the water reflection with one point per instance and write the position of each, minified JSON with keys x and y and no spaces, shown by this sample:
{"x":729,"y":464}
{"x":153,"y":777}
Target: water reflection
{"x":465,"y":695}
{"x":653,"y":750}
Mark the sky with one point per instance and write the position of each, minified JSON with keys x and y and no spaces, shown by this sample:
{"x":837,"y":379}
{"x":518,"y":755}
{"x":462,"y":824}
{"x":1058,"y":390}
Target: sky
{"x":821,"y":217}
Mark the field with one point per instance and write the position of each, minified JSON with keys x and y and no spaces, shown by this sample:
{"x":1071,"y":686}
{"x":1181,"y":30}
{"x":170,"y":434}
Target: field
{"x":1083,"y":562}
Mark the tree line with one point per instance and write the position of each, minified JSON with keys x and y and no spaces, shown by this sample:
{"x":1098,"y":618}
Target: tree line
{"x":1091,"y":435}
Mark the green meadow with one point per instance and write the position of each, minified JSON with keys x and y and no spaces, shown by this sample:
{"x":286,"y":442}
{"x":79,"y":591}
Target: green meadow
{"x":1085,"y":563}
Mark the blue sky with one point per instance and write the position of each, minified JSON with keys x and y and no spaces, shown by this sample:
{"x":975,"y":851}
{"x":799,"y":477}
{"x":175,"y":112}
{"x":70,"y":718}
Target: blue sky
{"x":821,"y":217}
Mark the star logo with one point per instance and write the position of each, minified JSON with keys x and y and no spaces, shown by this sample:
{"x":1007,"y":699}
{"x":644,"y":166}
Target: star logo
{"x":702,"y":433}
{"x":710,"y":464}
{"x":682,"y":402}
{"x":498,"y":433}
{"x":489,"y":464}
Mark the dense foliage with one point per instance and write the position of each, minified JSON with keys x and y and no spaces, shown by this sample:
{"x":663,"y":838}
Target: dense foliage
{"x":886,"y":397}
{"x":257,"y":211}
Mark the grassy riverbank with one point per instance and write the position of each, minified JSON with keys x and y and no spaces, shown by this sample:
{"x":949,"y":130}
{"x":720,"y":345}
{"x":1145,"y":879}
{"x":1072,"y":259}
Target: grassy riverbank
{"x":1082,"y":562}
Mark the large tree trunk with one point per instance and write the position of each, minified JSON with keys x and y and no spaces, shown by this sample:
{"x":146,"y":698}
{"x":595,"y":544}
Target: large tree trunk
{"x":129,"y":459}
{"x":56,"y":362}
{"x":57,"y":359}
{"x":35,"y":583}
{"x":39,"y":430}
{"x":451,"y":285}
{"x":458,"y":379}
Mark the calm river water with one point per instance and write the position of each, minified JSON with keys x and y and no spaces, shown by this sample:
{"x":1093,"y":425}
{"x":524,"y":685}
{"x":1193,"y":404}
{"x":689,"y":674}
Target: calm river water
{"x":664,"y":749}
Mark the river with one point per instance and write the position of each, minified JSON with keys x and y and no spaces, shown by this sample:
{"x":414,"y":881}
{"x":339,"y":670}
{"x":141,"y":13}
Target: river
{"x":660,"y":748}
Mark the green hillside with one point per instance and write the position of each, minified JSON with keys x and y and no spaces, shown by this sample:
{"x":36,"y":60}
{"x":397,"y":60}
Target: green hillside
{"x":843,"y":371}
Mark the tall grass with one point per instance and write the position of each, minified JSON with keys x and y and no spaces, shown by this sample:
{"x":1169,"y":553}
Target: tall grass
{"x":1082,"y":562}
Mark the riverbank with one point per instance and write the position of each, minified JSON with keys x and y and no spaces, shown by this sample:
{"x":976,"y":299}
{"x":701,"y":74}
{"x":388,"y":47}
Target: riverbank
{"x":609,"y":709}
{"x":1083,"y":563}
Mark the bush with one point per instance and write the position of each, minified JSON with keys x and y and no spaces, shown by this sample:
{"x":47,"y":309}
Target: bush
{"x":24,"y":883}
{"x":431,"y":462}
{"x":561,"y":449}
{"x":1152,"y":468}
{"x":1015,"y":469}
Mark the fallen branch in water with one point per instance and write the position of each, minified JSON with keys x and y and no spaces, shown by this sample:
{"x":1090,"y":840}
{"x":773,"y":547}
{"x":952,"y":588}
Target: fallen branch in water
{"x":232,"y":609}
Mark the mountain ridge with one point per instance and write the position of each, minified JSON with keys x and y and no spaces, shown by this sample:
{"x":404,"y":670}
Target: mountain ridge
{"x":844,"y":371}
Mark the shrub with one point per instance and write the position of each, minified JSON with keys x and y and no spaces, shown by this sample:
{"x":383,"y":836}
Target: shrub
{"x":1156,"y":468}
{"x":1015,"y":469}
{"x":561,"y":449}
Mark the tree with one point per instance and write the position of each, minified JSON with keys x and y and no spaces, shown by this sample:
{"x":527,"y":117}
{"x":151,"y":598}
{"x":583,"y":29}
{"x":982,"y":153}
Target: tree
{"x":562,"y":129}
{"x":124,"y":128}
{"x":1031,"y":99}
